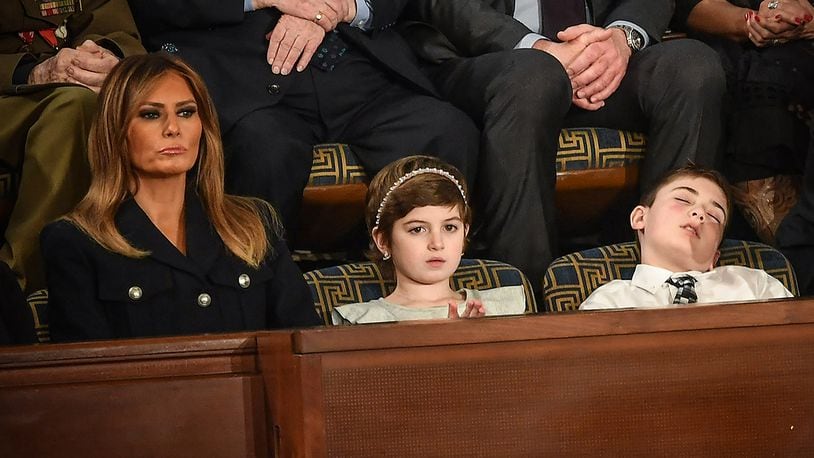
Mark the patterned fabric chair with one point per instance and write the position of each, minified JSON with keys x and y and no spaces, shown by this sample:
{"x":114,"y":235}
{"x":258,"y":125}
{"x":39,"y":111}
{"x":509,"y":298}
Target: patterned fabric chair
{"x":594,"y":165}
{"x":571,"y":278}
{"x":362,"y":281}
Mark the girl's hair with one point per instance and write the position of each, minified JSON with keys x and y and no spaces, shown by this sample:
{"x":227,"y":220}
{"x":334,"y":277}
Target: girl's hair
{"x":424,"y":188}
{"x":240,"y":222}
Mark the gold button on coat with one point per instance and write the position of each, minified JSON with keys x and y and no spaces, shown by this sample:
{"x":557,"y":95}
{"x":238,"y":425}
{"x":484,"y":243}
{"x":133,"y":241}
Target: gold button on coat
{"x":204,"y":300}
{"x":244,"y":281}
{"x":134,"y":292}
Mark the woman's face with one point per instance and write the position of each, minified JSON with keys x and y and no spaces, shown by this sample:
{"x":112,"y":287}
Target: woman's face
{"x":164,"y":135}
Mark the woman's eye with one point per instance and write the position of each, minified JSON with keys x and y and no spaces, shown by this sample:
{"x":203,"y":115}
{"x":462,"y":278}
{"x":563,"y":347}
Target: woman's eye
{"x":187,"y":112}
{"x":149,"y":114}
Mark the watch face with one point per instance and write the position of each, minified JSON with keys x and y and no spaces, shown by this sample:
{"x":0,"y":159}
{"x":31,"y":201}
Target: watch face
{"x":634,"y":39}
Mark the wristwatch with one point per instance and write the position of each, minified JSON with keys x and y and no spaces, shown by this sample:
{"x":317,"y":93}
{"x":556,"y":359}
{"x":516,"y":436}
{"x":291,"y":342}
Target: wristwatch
{"x":635,"y":40}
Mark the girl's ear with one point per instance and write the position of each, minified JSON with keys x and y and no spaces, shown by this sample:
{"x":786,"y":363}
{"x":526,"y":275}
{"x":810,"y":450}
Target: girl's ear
{"x":638,"y":218}
{"x":380,"y":240}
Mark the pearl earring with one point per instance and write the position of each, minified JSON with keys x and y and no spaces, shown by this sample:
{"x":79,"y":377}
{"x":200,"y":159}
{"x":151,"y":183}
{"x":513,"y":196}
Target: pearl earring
{"x":385,"y":256}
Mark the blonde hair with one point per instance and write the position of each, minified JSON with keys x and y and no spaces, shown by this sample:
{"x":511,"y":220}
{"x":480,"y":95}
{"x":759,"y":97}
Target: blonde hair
{"x":240,"y":222}
{"x":405,"y":191}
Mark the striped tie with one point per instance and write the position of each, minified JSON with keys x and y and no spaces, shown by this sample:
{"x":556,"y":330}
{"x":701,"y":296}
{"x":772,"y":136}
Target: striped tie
{"x":686,"y":289}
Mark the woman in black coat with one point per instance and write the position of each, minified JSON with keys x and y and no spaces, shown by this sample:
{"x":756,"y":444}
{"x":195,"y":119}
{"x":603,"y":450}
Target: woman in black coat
{"x":156,"y":247}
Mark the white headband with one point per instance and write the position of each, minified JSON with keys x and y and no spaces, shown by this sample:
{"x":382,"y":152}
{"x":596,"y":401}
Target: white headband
{"x":416,"y":172}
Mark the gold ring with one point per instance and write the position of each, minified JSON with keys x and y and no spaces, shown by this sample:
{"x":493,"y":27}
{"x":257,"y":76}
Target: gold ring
{"x":318,"y":17}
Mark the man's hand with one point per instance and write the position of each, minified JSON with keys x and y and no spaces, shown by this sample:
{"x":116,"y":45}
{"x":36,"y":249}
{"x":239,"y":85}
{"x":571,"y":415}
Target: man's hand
{"x":325,"y":13}
{"x":599,"y":69}
{"x":87,"y":65}
{"x":293,"y":41}
{"x":566,"y":52}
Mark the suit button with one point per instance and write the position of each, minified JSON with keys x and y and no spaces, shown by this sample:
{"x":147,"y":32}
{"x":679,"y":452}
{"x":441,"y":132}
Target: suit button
{"x":134,"y":292}
{"x":204,"y":300}
{"x":244,"y":281}
{"x":273,"y":89}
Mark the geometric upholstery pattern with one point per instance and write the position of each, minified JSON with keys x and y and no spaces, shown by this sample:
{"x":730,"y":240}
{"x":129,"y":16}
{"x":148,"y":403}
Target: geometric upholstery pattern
{"x":333,"y":164}
{"x":363,"y":281}
{"x":38,"y":301}
{"x":598,"y":148}
{"x":570,"y":279}
{"x":580,"y":148}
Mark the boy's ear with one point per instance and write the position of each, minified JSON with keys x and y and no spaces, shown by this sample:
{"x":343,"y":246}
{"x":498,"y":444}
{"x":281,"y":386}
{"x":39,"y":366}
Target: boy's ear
{"x":638,"y":217}
{"x":380,"y":240}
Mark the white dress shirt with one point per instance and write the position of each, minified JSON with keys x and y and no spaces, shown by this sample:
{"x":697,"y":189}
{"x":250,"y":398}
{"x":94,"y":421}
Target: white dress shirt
{"x":648,"y":288}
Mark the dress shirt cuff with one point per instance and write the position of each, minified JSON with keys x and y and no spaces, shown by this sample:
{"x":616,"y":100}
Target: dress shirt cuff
{"x":364,"y":16}
{"x":528,"y":41}
{"x":247,"y":6}
{"x":638,"y":29}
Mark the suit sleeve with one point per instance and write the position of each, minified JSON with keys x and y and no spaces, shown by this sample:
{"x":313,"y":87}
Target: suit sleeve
{"x":74,"y":312}
{"x":472,"y":26}
{"x":289,"y":299}
{"x":159,"y":15}
{"x":651,"y":15}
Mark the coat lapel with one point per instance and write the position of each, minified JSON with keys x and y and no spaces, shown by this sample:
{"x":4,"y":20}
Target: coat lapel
{"x":203,"y":245}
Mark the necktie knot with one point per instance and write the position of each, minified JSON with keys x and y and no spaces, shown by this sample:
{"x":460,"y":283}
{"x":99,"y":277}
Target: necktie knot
{"x":685,"y":285}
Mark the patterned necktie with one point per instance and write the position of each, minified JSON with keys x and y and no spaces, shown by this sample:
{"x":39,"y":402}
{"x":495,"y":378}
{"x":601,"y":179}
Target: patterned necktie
{"x":686,"y":289}
{"x":333,"y":47}
{"x":558,"y":15}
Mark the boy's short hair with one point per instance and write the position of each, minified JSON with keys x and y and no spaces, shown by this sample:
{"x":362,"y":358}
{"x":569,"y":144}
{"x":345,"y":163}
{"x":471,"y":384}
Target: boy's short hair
{"x":693,"y":171}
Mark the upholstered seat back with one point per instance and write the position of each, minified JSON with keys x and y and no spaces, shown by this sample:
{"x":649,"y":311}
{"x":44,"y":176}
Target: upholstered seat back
{"x":363,"y":281}
{"x":570,"y":279}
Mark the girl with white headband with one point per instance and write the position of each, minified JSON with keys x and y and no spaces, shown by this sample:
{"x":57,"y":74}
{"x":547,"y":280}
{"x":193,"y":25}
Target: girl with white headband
{"x":418,"y":216}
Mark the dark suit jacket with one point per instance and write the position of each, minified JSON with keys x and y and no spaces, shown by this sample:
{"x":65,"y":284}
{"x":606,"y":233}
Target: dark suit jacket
{"x":448,"y":29}
{"x":228,"y":48}
{"x":89,"y":286}
{"x":107,"y":22}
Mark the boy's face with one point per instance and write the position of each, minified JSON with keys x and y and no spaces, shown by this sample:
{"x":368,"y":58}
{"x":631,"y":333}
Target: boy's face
{"x":683,"y":228}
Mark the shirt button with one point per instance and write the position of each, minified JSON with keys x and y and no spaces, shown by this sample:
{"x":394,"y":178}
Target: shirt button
{"x":244,"y":281}
{"x":204,"y":300}
{"x":273,"y":89}
{"x":134,"y":292}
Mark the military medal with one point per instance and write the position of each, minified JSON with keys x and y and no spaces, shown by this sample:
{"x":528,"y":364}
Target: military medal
{"x":56,"y":7}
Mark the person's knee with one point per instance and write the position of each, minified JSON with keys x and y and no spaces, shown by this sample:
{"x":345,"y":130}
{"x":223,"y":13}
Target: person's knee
{"x":533,"y":83}
{"x":73,"y":104}
{"x":694,"y":69}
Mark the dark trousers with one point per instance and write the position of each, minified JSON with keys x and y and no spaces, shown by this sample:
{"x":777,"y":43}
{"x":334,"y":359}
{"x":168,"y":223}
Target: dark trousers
{"x":269,"y":150}
{"x":672,"y":91}
{"x":795,"y":236}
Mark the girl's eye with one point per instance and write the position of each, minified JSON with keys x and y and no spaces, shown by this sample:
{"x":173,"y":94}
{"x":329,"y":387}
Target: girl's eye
{"x":149,"y":114}
{"x":416,"y":230}
{"x":450,"y":228}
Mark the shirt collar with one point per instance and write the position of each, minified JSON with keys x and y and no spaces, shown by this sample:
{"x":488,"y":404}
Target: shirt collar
{"x":651,"y":278}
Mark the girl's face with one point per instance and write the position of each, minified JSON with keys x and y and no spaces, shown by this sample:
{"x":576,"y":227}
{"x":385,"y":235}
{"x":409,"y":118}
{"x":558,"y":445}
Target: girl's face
{"x":426,"y":244}
{"x":164,"y":135}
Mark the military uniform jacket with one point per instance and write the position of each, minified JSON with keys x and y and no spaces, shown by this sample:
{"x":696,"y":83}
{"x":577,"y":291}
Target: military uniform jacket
{"x":106,"y":22}
{"x":228,"y":48}
{"x":97,"y":294}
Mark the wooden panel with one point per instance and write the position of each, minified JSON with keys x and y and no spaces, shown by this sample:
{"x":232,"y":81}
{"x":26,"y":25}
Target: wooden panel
{"x":186,"y":396}
{"x":340,"y":210}
{"x":680,"y":382}
{"x":584,"y":197}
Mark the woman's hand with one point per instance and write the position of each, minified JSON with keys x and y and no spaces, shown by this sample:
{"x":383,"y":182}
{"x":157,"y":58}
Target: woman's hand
{"x":474,"y":309}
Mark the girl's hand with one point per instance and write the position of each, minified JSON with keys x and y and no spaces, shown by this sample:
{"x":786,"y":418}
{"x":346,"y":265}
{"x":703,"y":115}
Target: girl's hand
{"x":474,"y":309}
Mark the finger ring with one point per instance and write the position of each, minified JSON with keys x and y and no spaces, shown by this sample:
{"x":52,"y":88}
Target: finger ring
{"x":318,"y":17}
{"x":773,"y":5}
{"x":775,"y":42}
